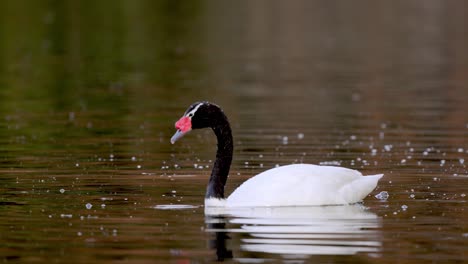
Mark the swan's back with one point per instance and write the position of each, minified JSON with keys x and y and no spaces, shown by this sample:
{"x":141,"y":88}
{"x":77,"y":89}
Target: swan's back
{"x":303,"y":184}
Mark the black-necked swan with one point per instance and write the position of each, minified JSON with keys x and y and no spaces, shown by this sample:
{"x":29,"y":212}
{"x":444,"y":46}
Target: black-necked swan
{"x":290,"y":185}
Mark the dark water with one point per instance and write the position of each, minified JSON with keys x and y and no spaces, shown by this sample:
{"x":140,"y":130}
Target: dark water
{"x":89,"y":93}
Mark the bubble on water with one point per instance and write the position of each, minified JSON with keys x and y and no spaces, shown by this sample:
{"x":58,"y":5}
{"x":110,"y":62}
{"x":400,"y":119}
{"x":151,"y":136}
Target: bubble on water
{"x":277,"y":165}
{"x":261,"y":165}
{"x":442,"y":162}
{"x":175,"y":206}
{"x":374,"y":152}
{"x":173,"y":191}
{"x":461,"y":161}
{"x":403,"y":161}
{"x":71,"y":116}
{"x":89,"y":206}
{"x":62,"y":190}
{"x":412,"y":196}
{"x":138,"y":166}
{"x":285,"y":140}
{"x":356,"y":97}
{"x":133,"y":158}
{"x":77,"y":165}
{"x":103,"y":206}
{"x":353,"y":137}
{"x":260,"y":156}
{"x":381,"y":135}
{"x":383,"y":195}
{"x":300,"y":136}
{"x":460,"y":150}
{"x":425,"y":153}
{"x":66,"y":215}
{"x":331,"y":163}
{"x":79,"y":234}
{"x":462,"y":195}
{"x":404,"y":207}
{"x":388,"y":147}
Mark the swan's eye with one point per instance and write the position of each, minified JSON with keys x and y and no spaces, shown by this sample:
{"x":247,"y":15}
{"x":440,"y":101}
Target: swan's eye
{"x":190,"y":115}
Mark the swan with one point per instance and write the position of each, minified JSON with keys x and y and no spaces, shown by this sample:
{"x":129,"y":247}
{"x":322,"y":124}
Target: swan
{"x":290,"y":185}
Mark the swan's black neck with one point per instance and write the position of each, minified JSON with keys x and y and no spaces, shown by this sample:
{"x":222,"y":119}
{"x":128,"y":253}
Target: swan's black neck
{"x":222,"y":164}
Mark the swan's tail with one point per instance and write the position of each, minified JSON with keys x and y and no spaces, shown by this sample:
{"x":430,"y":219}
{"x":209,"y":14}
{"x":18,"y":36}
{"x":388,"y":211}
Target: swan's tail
{"x":357,"y":190}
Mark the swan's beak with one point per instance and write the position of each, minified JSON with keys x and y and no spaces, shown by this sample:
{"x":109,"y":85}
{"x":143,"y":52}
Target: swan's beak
{"x":184,"y":125}
{"x":178,"y":134}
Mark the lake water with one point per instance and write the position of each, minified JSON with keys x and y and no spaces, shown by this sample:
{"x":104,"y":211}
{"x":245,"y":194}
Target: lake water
{"x":90,"y":93}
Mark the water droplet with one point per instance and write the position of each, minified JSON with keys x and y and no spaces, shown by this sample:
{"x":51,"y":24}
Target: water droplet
{"x":62,"y":190}
{"x":383,"y":195}
{"x":404,"y":207}
{"x":300,"y":136}
{"x":89,"y":206}
{"x":353,"y":137}
{"x":381,"y":135}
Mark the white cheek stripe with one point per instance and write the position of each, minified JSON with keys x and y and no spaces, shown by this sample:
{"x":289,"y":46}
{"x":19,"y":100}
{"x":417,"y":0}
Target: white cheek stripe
{"x":193,"y":111}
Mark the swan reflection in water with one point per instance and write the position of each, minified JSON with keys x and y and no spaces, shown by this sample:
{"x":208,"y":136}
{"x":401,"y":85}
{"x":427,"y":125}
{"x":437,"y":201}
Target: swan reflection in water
{"x":296,"y":231}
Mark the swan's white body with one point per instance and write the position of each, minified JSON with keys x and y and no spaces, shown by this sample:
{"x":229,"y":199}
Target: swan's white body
{"x":301,"y":185}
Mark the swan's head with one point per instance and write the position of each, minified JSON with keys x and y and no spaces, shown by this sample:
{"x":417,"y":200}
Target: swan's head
{"x":198,"y":115}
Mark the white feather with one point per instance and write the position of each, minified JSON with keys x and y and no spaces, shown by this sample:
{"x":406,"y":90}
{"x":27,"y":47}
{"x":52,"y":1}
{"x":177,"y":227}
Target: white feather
{"x":301,"y":185}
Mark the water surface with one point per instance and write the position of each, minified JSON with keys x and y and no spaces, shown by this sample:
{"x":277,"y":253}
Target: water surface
{"x":90,"y":93}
